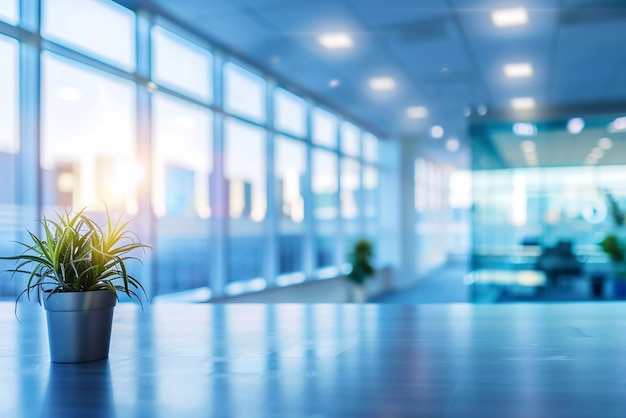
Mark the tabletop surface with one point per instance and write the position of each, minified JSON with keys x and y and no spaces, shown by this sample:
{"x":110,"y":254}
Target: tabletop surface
{"x":240,"y":360}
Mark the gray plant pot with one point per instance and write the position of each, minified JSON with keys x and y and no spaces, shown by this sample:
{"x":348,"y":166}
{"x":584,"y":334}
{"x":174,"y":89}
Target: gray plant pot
{"x":79,"y":325}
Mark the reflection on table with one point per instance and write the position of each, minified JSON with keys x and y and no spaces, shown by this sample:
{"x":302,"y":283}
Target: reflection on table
{"x":202,"y":360}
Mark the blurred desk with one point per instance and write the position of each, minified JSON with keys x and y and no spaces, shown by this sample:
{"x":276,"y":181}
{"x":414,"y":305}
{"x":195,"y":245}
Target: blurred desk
{"x":487,"y":285}
{"x":202,"y":360}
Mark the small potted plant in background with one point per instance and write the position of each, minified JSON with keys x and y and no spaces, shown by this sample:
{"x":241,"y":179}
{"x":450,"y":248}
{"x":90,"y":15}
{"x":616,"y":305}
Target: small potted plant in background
{"x":77,"y":269}
{"x":614,"y":248}
{"x":361,"y":262}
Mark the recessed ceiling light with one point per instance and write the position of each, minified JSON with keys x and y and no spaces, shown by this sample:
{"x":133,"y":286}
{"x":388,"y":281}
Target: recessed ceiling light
{"x":333,"y":83}
{"x":382,"y":83}
{"x":605,"y":143}
{"x":523,"y":103}
{"x":519,"y":70}
{"x":524,"y":129}
{"x":436,"y":131}
{"x":509,"y":17}
{"x":452,"y":144}
{"x":335,"y":40}
{"x":416,"y":112}
{"x":482,"y":110}
{"x":575,"y":125}
{"x":467,"y":111}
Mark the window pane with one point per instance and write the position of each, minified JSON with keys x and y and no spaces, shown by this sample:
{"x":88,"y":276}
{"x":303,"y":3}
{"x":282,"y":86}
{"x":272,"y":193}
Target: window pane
{"x":371,"y":197}
{"x":325,"y":200}
{"x":245,"y":172}
{"x":244,"y":93}
{"x":10,"y":213}
{"x":324,"y":125}
{"x":9,"y":11}
{"x":370,"y":147}
{"x":9,"y":138}
{"x":88,"y":139}
{"x":290,"y":167}
{"x":289,"y":113}
{"x":350,"y":184}
{"x":350,"y":136}
{"x":181,"y":65}
{"x":182,"y":166}
{"x":87,"y":26}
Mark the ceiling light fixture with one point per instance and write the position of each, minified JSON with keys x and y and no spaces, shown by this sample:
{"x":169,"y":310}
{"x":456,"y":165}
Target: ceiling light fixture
{"x":518,"y":70}
{"x":523,"y":103}
{"x":436,"y":131}
{"x":509,"y":17}
{"x":482,"y":110}
{"x":524,"y":129}
{"x":575,"y":125}
{"x":452,"y":144}
{"x":335,"y":40}
{"x":382,"y":83}
{"x":333,"y":83}
{"x":416,"y":112}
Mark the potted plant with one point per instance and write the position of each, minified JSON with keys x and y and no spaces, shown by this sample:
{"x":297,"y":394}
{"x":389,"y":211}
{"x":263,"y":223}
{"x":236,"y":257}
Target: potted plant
{"x":614,"y":248}
{"x":77,"y":271}
{"x":361,"y":262}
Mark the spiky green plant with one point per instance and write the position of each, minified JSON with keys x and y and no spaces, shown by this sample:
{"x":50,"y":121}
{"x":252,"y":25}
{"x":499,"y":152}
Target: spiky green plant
{"x":361,"y":260}
{"x":76,"y":254}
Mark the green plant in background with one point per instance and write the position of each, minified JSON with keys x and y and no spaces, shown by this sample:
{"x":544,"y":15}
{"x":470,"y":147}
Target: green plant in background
{"x":611,"y":243}
{"x":77,"y":255}
{"x":613,"y":248}
{"x":361,"y":260}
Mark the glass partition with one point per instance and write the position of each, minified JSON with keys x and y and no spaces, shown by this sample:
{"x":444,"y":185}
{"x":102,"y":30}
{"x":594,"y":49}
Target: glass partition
{"x":537,"y":185}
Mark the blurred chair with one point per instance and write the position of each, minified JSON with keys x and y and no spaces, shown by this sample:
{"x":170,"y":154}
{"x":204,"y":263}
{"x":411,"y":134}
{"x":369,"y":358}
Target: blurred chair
{"x":559,"y":262}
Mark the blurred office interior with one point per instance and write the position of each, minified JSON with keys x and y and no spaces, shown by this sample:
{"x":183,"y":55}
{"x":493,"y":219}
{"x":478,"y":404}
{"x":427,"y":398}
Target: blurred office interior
{"x":479,"y":144}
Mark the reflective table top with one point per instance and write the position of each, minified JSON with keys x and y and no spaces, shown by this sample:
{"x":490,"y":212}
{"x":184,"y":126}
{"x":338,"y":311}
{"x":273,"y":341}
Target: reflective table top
{"x":239,"y":360}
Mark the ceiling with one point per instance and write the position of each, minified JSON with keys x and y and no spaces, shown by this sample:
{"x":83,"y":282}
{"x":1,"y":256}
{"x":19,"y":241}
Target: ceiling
{"x":446,"y":55}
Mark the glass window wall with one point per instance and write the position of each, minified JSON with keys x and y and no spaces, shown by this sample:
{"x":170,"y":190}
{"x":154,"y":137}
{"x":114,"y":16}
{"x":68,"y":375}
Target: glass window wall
{"x":89,"y":151}
{"x":290,"y":167}
{"x":324,"y":125}
{"x":350,"y":139}
{"x":350,"y":202}
{"x":325,"y":182}
{"x":10,"y":213}
{"x":244,"y":93}
{"x":9,"y":11}
{"x":182,"y":162}
{"x":88,"y":146}
{"x":289,"y":113}
{"x":181,"y":65}
{"x":86,"y":26}
{"x":245,"y":174}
